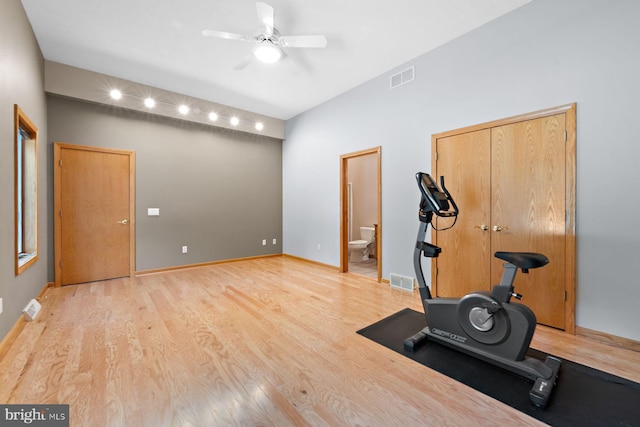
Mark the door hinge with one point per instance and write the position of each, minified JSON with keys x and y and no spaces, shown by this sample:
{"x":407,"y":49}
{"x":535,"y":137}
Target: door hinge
{"x":60,"y":162}
{"x":436,"y":156}
{"x":60,"y":213}
{"x":565,"y":136}
{"x":565,"y":295}
{"x":60,"y":263}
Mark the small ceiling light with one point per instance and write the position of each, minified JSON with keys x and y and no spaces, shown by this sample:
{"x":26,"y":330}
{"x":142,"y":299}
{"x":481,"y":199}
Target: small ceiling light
{"x":115,"y":94}
{"x":234,"y":121}
{"x":259,"y":126}
{"x":267,"y":52}
{"x":183,"y":109}
{"x":213,"y":116}
{"x":149,"y":103}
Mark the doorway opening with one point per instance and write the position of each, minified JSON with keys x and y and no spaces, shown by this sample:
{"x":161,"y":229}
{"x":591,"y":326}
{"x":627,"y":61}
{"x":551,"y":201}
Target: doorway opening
{"x":361,"y":213}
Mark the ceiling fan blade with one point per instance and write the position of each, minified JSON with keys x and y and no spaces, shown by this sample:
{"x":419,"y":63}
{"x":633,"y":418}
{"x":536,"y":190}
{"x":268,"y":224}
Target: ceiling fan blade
{"x":265,"y":17}
{"x":243,"y":64}
{"x":303,"y":41}
{"x":228,"y":36}
{"x":292,"y":65}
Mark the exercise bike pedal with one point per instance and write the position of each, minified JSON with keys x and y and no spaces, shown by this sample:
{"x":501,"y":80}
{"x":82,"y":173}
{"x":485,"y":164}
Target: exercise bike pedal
{"x":543,"y":387}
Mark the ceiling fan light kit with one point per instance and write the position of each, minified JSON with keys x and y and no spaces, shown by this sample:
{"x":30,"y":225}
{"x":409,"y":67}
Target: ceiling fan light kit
{"x":268,"y":42}
{"x":267,"y":52}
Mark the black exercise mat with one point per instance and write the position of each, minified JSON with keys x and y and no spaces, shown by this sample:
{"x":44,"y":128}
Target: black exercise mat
{"x":582,"y":397}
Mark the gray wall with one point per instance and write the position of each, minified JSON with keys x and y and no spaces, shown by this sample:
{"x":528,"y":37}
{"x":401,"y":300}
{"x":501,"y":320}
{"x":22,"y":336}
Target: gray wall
{"x":542,"y":55}
{"x":91,"y":86}
{"x":21,"y":82}
{"x":219,"y":191}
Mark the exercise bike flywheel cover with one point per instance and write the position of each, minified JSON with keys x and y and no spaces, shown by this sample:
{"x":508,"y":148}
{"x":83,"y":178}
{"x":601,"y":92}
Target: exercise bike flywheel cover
{"x":467,"y":310}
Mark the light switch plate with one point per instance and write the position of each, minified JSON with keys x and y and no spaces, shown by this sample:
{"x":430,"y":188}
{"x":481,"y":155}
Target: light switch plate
{"x":153,"y":212}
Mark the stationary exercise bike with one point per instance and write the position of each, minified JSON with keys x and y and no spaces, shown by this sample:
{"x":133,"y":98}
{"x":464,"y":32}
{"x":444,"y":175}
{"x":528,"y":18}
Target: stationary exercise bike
{"x":485,"y":325}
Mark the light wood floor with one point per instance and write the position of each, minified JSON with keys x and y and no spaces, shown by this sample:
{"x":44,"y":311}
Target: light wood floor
{"x":261,"y":342}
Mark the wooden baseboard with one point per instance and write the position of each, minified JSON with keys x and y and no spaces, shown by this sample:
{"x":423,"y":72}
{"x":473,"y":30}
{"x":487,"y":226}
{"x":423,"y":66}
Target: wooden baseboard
{"x":12,"y":335}
{"x":608,"y":339}
{"x":320,"y":264}
{"x":202,"y":264}
{"x":19,"y":325}
{"x":44,"y":290}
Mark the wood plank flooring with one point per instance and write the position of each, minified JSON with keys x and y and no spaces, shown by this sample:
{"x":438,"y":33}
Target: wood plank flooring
{"x":263,"y":342}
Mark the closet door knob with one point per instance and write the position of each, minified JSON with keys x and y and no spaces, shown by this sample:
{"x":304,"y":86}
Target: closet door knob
{"x":482,"y":227}
{"x":499,"y":228}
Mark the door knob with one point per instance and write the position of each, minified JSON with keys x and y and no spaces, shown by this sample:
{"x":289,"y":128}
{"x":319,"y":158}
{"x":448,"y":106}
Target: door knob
{"x":499,"y":228}
{"x":482,"y":227}
{"x":124,"y":221}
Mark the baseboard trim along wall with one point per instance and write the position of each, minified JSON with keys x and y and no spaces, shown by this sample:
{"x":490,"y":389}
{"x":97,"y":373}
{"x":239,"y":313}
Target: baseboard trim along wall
{"x":15,"y":330}
{"x":608,"y":339}
{"x":320,"y":264}
{"x":202,"y":264}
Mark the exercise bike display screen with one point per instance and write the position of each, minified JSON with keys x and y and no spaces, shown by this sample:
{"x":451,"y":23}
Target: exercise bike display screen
{"x":436,"y":200}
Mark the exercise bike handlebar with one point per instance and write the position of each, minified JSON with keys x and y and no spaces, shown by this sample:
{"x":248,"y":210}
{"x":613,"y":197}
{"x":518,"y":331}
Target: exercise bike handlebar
{"x":435,"y":200}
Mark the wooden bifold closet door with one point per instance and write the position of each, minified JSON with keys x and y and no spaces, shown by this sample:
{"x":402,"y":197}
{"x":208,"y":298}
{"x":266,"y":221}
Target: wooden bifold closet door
{"x":514,"y":186}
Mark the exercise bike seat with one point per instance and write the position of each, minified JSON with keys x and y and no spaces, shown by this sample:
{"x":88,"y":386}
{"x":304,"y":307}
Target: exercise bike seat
{"x":523,"y":260}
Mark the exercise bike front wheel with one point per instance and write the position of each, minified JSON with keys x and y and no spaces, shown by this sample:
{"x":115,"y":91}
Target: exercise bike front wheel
{"x":481,"y":324}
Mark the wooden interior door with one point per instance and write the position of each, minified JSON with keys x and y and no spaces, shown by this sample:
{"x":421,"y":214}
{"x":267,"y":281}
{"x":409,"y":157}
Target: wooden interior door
{"x":465,"y":162}
{"x":528,"y":209}
{"x":94,"y":213}
{"x":521,"y":180}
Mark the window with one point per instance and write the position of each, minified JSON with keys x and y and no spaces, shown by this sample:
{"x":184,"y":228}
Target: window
{"x":26,"y":190}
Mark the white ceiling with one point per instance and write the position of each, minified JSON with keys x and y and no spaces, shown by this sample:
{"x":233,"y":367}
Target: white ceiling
{"x":159,"y":43}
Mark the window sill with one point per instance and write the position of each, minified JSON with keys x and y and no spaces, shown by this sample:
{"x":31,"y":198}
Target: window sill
{"x":25,"y":261}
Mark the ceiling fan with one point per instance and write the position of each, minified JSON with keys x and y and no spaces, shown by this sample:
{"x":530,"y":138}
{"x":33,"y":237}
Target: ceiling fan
{"x":268,"y":43}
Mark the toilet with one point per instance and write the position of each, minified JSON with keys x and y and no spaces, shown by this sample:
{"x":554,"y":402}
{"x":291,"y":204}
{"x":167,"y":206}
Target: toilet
{"x":359,"y":249}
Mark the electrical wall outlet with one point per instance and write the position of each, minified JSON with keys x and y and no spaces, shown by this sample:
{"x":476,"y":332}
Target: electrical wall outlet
{"x":274,"y":241}
{"x":318,"y":246}
{"x":184,"y":249}
{"x":0,"y":305}
{"x":264,"y":242}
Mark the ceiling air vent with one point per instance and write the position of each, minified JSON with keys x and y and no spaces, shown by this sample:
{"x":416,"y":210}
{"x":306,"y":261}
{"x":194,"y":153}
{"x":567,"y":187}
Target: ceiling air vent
{"x":404,"y":76}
